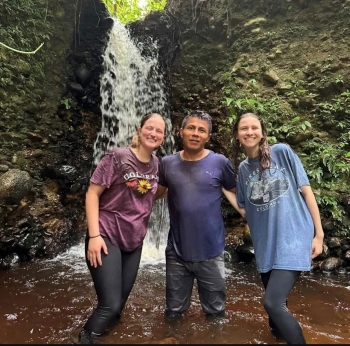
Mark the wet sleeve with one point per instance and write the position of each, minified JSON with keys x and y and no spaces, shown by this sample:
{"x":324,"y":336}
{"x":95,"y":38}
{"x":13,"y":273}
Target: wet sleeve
{"x":161,"y":172}
{"x":298,"y":170}
{"x":106,"y":171}
{"x":229,"y":176}
{"x":240,"y":191}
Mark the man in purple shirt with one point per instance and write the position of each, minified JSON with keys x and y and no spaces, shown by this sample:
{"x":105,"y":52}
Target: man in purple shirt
{"x":193,"y":179}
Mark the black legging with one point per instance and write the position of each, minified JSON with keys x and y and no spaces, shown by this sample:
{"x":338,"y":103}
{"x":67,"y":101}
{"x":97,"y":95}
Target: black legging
{"x":278,"y":283}
{"x":113,"y":282}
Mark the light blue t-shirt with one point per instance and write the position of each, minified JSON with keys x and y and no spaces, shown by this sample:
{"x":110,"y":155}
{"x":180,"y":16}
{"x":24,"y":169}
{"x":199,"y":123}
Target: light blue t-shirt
{"x":280,"y":223}
{"x":197,"y":230}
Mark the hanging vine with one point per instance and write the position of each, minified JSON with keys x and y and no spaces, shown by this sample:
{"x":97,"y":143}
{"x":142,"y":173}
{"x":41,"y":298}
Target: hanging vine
{"x":21,"y":51}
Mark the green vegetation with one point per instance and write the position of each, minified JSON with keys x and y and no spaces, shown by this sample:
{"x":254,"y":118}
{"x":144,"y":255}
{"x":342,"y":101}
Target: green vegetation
{"x":326,"y":160}
{"x":132,"y":10}
{"x":29,"y":49}
{"x":66,"y":103}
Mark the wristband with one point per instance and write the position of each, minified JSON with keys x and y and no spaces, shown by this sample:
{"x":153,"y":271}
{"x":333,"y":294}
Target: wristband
{"x":95,"y":236}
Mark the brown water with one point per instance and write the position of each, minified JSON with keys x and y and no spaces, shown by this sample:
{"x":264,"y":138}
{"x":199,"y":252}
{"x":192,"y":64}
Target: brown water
{"x":46,"y":301}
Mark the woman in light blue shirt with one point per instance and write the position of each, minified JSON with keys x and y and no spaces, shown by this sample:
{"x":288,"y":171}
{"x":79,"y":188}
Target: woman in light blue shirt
{"x":283,"y":217}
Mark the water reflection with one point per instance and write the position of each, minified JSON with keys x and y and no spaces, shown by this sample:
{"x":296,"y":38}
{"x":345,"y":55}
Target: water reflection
{"x":44,"y":302}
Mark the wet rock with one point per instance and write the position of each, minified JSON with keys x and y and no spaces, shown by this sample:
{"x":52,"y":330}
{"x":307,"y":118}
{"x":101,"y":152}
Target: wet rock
{"x":345,"y":247}
{"x":342,"y":271}
{"x":345,"y":241}
{"x":14,"y":185}
{"x":76,"y":88}
{"x":331,"y":264}
{"x":246,"y":235}
{"x":334,"y":243}
{"x":74,"y":188}
{"x":325,"y":252}
{"x":347,"y":256}
{"x":10,"y":261}
{"x":231,"y":255}
{"x":26,"y":242}
{"x":24,"y":222}
{"x":245,"y":252}
{"x":315,"y":265}
{"x":82,"y":75}
{"x":4,"y":168}
{"x":66,"y":172}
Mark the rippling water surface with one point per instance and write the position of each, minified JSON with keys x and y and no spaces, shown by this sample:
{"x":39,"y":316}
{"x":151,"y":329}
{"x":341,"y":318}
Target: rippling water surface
{"x":47,"y":301}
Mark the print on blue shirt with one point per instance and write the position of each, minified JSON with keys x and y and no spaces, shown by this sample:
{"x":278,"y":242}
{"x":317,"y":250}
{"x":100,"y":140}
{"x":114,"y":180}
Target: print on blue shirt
{"x":268,"y":189}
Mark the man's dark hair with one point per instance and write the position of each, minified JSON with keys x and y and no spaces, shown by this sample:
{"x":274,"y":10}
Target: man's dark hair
{"x":198,"y":114}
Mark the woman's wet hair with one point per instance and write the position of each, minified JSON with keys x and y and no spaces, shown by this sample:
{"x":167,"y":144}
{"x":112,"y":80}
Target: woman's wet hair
{"x":264,"y":148}
{"x":200,"y":115}
{"x":135,"y":141}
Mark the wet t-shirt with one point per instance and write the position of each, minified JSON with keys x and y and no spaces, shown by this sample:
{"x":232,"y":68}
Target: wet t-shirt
{"x":197,"y":230}
{"x":280,"y":223}
{"x":126,"y":203}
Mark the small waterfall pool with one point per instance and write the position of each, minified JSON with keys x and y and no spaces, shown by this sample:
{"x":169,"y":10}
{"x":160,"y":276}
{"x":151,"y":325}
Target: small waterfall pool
{"x":48,"y":300}
{"x":45,"y":301}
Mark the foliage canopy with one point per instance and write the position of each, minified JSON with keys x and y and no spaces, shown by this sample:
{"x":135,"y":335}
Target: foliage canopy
{"x":132,"y":10}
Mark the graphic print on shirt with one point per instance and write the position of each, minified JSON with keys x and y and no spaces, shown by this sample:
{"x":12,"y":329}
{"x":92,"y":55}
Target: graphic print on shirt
{"x":265,"y":192}
{"x":143,"y":183}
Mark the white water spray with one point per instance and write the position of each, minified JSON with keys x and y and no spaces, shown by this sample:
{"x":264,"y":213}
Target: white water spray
{"x":132,"y":86}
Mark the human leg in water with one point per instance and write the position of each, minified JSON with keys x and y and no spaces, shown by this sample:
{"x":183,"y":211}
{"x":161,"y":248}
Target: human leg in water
{"x":279,"y":283}
{"x":113,"y":282}
{"x":274,"y":330}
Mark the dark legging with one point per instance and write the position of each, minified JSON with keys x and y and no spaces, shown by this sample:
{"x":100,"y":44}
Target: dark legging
{"x":278,"y":284}
{"x":113,"y":282}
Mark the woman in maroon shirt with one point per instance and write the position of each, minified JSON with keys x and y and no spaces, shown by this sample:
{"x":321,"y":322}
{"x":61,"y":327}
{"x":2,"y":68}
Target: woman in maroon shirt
{"x":118,"y":207}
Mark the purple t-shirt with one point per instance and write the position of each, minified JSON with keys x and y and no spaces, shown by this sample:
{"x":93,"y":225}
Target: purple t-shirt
{"x":197,"y":231}
{"x":126,"y":203}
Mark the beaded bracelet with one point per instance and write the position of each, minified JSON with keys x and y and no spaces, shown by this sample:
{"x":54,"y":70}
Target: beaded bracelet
{"x":95,"y":236}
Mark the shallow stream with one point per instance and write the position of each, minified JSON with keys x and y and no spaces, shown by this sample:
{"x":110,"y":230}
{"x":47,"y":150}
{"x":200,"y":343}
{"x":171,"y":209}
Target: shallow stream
{"x":46,"y":301}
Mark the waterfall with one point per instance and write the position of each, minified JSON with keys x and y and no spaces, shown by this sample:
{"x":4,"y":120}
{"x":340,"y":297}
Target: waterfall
{"x":132,"y":86}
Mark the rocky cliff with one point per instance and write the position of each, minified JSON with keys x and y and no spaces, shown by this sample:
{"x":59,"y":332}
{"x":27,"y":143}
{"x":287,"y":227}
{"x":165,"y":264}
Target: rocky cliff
{"x":287,"y":60}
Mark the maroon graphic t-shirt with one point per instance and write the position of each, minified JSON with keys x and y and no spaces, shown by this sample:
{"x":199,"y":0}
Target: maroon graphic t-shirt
{"x":126,"y":203}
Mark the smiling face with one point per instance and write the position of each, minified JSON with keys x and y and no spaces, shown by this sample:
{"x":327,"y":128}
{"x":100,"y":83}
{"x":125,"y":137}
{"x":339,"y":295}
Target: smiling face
{"x":195,"y":134}
{"x":250,"y":134}
{"x":152,"y":132}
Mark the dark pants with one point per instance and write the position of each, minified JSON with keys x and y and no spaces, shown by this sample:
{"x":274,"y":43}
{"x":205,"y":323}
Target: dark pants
{"x":278,"y":284}
{"x":113,"y":282}
{"x":180,"y":275}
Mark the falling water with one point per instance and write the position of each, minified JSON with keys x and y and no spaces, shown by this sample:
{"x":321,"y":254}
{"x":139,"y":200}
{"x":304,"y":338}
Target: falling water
{"x":132,"y":86}
{"x":45,"y":302}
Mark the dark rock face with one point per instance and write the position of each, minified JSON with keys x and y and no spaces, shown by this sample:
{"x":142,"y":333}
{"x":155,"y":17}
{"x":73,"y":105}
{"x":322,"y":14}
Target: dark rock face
{"x":45,"y":171}
{"x":200,"y":48}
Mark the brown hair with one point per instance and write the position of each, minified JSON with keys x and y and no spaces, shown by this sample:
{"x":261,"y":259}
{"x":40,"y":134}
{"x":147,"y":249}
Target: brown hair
{"x":264,"y":148}
{"x":135,"y":141}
